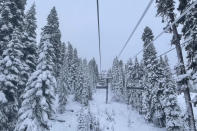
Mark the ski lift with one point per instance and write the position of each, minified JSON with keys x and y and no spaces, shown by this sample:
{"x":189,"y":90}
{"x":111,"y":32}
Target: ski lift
{"x":103,"y":84}
{"x":101,"y":81}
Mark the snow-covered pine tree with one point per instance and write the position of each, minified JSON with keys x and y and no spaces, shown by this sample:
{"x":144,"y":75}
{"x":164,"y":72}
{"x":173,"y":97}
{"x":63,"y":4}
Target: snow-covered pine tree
{"x":11,"y":66}
{"x":83,"y":92}
{"x":11,"y":25}
{"x":137,"y":76}
{"x":70,"y":67}
{"x":61,"y":76}
{"x":118,"y":80}
{"x":38,"y":97}
{"x":159,"y":115}
{"x":166,"y":9}
{"x":139,"y":79}
{"x":122,"y":80}
{"x":114,"y":73}
{"x":75,"y":67}
{"x":128,"y":80}
{"x":183,"y":4}
{"x":80,"y":80}
{"x":190,"y":32}
{"x":93,"y":71}
{"x":151,"y":103}
{"x":11,"y":15}
{"x":55,"y":38}
{"x":86,"y":91}
{"x":30,"y":50}
{"x":62,"y":89}
{"x":63,"y":53}
{"x":169,"y":102}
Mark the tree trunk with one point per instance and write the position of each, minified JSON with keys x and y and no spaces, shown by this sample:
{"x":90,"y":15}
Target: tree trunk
{"x":183,"y":71}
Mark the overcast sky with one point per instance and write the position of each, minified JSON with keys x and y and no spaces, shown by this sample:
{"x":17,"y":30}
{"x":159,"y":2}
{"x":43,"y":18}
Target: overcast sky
{"x":78,"y":24}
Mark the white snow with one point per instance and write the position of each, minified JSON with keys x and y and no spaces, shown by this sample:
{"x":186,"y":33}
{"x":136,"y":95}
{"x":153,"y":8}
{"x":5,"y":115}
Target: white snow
{"x":2,"y":97}
{"x":112,"y":116}
{"x":70,"y":117}
{"x":182,"y":104}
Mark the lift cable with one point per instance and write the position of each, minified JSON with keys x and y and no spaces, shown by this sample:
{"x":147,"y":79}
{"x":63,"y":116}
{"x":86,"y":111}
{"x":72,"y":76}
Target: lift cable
{"x":99,"y":35}
{"x":182,"y":44}
{"x":137,"y":25}
{"x":166,"y":29}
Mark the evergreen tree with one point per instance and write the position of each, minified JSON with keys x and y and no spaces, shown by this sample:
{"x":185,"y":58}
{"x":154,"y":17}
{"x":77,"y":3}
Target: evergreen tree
{"x":30,"y":51}
{"x":151,"y":103}
{"x":86,"y":91}
{"x":171,"y":108}
{"x":83,"y":92}
{"x":93,"y":71}
{"x":62,"y":91}
{"x":190,"y":32}
{"x":134,"y":79}
{"x":122,"y":80}
{"x":70,"y":67}
{"x":62,"y":88}
{"x":11,"y":15}
{"x":128,"y":80}
{"x":117,"y":80}
{"x":183,"y":4}
{"x":52,"y":29}
{"x":63,"y":53}
{"x":11,"y":66}
{"x":38,"y":97}
{"x":80,"y":80}
{"x":166,"y":9}
{"x":75,"y":66}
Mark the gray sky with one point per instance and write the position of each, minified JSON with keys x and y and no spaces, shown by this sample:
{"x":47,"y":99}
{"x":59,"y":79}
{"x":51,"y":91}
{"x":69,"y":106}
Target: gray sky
{"x":78,"y":24}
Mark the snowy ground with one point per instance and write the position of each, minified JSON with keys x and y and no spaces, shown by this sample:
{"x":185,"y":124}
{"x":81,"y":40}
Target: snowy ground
{"x":181,"y":102}
{"x":70,"y":117}
{"x":112,"y":117}
{"x":117,"y":116}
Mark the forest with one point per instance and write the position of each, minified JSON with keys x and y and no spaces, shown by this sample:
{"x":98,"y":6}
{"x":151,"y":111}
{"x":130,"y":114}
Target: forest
{"x":48,"y":86}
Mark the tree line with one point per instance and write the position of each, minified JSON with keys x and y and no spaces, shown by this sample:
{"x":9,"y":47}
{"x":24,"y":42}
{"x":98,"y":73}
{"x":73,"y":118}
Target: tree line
{"x":33,"y":76}
{"x":158,"y":99}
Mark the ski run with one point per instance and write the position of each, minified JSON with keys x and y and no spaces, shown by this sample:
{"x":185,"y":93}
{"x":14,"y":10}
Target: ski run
{"x":46,"y":85}
{"x":113,"y":116}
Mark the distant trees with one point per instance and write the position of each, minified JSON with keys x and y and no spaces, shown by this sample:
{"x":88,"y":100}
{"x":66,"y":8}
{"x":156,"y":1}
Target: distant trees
{"x":94,"y":74}
{"x":133,"y":78}
{"x":84,"y":90}
{"x":118,"y":81}
{"x":75,"y":78}
{"x":150,"y":86}
{"x":31,"y":76}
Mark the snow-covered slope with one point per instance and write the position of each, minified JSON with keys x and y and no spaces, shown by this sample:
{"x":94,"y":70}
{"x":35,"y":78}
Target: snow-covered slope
{"x":118,"y":116}
{"x":70,"y":117}
{"x":182,"y":104}
{"x":112,"y":116}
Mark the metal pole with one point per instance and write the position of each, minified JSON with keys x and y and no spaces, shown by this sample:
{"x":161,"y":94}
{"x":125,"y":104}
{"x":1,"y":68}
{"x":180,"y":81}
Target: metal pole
{"x":107,"y":92}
